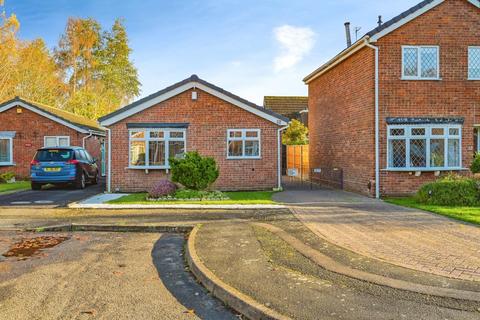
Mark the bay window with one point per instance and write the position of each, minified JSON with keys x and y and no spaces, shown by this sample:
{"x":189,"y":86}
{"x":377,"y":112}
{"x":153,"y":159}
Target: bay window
{"x":152,"y":148}
{"x":424,"y":147}
{"x":243,"y":144}
{"x":420,"y":62}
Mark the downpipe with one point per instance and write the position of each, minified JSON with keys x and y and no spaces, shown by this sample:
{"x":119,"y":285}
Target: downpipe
{"x":279,"y":156}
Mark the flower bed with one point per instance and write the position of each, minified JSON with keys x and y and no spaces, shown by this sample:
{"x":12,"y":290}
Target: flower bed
{"x":192,"y":195}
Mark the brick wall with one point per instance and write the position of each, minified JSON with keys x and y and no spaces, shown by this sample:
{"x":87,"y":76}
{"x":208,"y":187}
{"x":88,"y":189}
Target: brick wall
{"x":341,"y":120}
{"x":453,"y":26}
{"x":341,"y":101}
{"x":30,"y":129}
{"x":209,"y":118}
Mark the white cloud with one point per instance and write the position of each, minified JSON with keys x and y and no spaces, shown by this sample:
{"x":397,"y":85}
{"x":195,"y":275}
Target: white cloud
{"x":295,"y":42}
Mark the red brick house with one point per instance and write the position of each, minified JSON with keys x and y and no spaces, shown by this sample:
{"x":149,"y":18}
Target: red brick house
{"x":193,"y":115}
{"x":400,"y":106}
{"x":26,"y":126}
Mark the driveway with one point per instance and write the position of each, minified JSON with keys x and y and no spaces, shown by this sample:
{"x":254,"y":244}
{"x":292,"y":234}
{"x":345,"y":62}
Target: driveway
{"x":52,"y":196}
{"x":405,"y":237}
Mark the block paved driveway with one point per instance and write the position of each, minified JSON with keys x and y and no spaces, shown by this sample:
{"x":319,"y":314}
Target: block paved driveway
{"x":405,"y":237}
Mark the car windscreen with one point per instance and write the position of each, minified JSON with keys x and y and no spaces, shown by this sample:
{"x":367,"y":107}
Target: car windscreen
{"x":57,"y":155}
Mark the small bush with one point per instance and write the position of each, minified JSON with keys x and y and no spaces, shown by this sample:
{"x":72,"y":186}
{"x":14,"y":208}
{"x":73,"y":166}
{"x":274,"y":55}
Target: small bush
{"x":7,"y":177}
{"x":475,"y":166}
{"x":194,"y":171}
{"x":450,"y":191}
{"x":161,"y":189}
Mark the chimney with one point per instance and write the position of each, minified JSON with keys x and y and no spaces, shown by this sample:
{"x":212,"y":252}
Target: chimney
{"x":347,"y":33}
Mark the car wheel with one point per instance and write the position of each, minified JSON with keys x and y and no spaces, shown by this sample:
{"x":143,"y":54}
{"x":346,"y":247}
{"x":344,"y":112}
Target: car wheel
{"x":81,"y":181}
{"x":36,"y":186}
{"x":96,"y":178}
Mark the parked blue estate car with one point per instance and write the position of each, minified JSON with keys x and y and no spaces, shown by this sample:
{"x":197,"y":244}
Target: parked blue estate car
{"x":61,"y":165}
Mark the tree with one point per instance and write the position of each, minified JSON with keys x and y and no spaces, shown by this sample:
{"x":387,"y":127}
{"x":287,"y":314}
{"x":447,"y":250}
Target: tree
{"x":77,"y":50}
{"x":27,"y":67}
{"x":117,"y":71}
{"x":100,"y":75}
{"x":296,"y":134}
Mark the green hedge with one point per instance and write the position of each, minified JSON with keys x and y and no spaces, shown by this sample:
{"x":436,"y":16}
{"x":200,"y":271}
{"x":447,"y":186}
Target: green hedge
{"x":450,"y":191}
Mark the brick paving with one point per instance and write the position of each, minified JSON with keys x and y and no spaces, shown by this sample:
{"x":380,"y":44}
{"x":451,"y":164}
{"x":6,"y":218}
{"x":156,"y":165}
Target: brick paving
{"x":405,"y":237}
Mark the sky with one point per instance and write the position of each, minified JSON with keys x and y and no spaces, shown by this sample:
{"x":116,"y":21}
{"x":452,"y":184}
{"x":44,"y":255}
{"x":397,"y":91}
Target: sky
{"x":251,"y":48}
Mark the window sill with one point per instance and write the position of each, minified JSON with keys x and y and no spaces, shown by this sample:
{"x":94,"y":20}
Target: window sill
{"x":473,"y":79}
{"x":148,"y":168}
{"x":244,"y":158}
{"x":420,"y":79}
{"x":7,"y":164}
{"x":422,"y":169}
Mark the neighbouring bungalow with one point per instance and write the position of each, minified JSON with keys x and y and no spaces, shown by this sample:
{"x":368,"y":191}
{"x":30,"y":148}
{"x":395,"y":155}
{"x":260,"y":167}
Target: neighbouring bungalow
{"x":26,"y":126}
{"x":193,"y":115}
{"x":400,"y":106}
{"x":292,"y":107}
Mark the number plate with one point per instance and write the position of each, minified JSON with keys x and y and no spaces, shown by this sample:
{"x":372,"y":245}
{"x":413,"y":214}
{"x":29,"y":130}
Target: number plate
{"x":52,"y":169}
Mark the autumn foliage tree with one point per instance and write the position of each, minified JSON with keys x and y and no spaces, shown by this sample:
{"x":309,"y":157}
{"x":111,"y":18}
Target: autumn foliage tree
{"x":99,"y":73}
{"x":296,"y":134}
{"x":90,"y":72}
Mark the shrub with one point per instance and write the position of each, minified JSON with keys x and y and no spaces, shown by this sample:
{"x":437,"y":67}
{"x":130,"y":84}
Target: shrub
{"x":475,"y":166}
{"x":7,"y":177}
{"x":194,"y":171}
{"x":161,"y":189}
{"x":450,"y":191}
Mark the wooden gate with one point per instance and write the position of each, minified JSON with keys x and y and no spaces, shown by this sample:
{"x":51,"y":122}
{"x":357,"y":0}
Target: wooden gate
{"x":298,"y":162}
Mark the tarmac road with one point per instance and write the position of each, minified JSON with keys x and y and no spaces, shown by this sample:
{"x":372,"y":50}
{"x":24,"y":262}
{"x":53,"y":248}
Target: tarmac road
{"x":102,"y":276}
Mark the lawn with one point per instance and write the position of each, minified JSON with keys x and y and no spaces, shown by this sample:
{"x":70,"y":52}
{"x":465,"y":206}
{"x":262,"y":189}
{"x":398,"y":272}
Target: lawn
{"x":250,"y":197}
{"x":16,"y":186}
{"x":468,"y":214}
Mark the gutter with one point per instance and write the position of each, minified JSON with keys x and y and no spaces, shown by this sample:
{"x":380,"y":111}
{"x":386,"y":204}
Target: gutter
{"x":279,"y":156}
{"x":377,"y":152}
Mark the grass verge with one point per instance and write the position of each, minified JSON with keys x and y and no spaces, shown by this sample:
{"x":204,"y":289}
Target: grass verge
{"x":16,"y":186}
{"x":241,"y":197}
{"x":468,"y":214}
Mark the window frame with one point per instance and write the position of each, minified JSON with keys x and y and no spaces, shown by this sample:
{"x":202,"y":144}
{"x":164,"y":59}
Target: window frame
{"x":419,"y":63}
{"x":10,"y":162}
{"x":244,"y":138}
{"x":468,"y":62}
{"x":166,"y":138}
{"x":428,"y":137}
{"x":57,"y":139}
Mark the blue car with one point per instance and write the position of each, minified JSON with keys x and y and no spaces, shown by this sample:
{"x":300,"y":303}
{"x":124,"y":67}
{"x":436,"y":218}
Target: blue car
{"x":72,"y":165}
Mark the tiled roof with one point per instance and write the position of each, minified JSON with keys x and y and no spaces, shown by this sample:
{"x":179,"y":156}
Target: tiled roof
{"x":193,"y":78}
{"x":285,"y":105}
{"x":76,"y":120}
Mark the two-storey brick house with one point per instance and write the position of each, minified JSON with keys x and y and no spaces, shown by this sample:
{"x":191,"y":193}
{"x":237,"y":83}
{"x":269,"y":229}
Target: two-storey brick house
{"x":401,"y":106}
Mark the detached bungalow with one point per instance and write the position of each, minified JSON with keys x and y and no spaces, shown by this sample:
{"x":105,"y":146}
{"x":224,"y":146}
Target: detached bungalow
{"x":193,"y":115}
{"x":26,"y":126}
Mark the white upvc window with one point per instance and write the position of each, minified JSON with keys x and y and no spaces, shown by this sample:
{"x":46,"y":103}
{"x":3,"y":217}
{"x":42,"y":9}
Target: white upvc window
{"x":152,"y":148}
{"x":474,"y":63}
{"x":420,"y":62}
{"x":243,"y":144}
{"x":56,"y":141}
{"x":6,"y":151}
{"x":424,"y":147}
